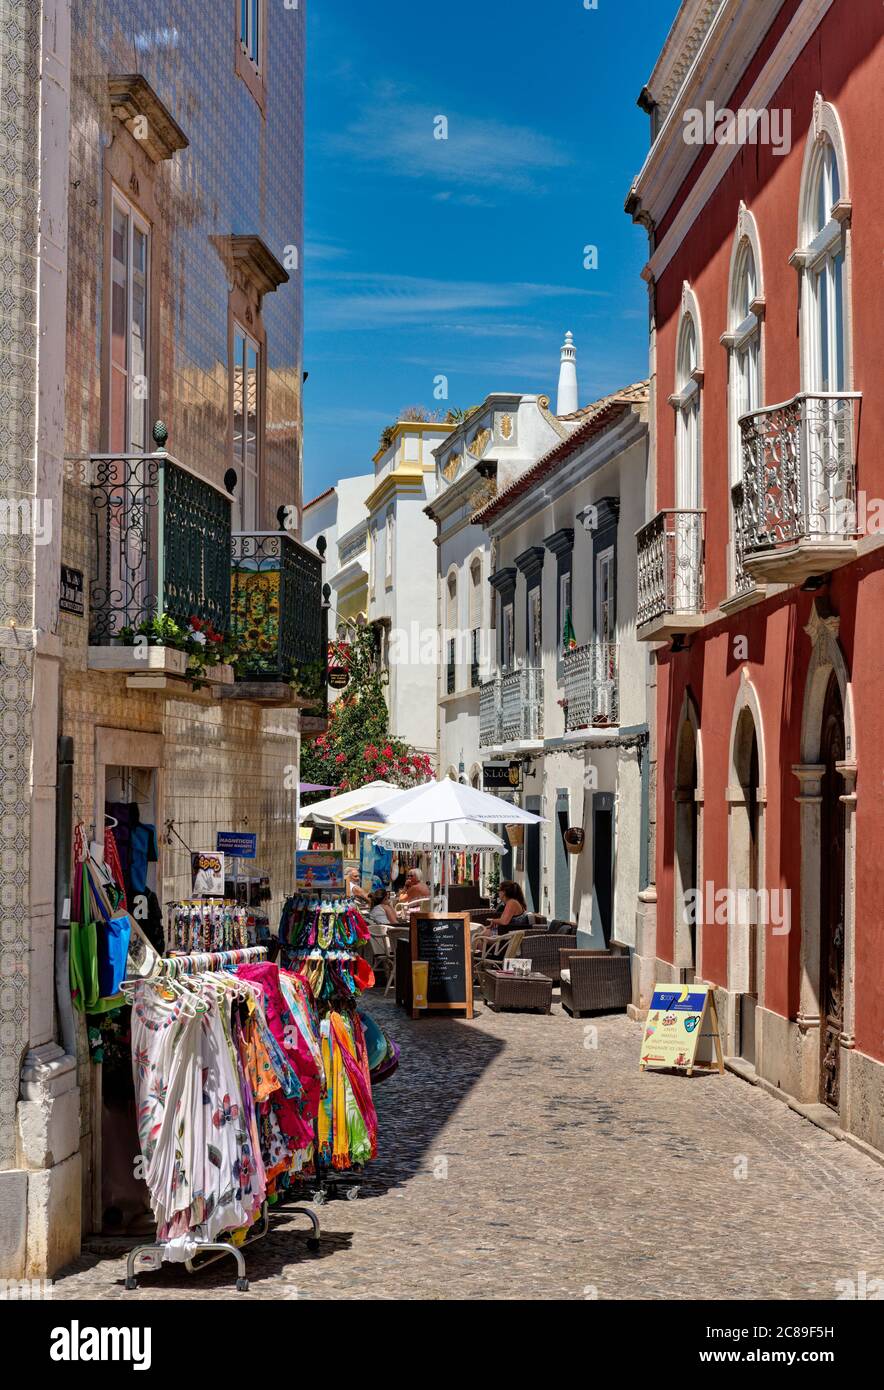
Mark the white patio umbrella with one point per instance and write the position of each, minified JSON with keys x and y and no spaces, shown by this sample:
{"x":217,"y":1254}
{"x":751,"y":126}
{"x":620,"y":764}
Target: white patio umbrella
{"x":331,"y":808}
{"x":440,"y":804}
{"x":462,"y":834}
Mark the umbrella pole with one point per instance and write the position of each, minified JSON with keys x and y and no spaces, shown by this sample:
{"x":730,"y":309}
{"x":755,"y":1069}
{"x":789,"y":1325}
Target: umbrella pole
{"x":445,"y":872}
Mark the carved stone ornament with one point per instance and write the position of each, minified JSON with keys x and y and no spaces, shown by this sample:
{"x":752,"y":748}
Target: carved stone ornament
{"x":451,"y":466}
{"x":506,"y":426}
{"x":479,"y":443}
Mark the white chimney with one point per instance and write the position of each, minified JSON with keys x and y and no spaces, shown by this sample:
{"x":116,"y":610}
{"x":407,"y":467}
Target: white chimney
{"x":567,"y":400}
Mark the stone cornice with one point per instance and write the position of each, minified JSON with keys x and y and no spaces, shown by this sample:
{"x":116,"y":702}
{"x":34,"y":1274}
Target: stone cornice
{"x":530,"y":562}
{"x":561,"y":542}
{"x":503,"y":581}
{"x":249,"y":258}
{"x":148,"y":120}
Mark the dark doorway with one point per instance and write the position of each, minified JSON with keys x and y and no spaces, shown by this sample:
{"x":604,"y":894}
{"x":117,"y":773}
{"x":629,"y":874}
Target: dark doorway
{"x":747,"y":768}
{"x":563,"y":867}
{"x":532,"y":856}
{"x":686,"y":851}
{"x":603,"y":865}
{"x":832,"y":866}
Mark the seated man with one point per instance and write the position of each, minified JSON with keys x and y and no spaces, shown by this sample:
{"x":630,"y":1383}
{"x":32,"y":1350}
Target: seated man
{"x":415,"y":890}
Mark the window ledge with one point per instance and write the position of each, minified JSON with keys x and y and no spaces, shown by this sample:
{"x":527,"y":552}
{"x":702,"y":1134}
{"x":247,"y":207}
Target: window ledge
{"x":147,"y":119}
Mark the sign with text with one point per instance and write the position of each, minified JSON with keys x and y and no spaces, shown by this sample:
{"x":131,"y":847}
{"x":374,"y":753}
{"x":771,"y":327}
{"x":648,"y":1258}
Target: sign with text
{"x":207,"y":874}
{"x":443,"y":942}
{"x":674,"y":1026}
{"x":71,"y":597}
{"x":237,"y":843}
{"x":501,"y":776}
{"x":319,"y":870}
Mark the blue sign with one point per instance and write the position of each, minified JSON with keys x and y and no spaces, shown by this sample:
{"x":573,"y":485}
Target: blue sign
{"x":237,"y":843}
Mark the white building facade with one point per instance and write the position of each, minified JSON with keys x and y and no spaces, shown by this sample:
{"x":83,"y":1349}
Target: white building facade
{"x":565,"y":704}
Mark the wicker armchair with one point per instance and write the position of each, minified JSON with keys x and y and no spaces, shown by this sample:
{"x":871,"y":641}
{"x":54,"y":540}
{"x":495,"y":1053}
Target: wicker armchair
{"x":544,"y":950}
{"x":595,"y":981}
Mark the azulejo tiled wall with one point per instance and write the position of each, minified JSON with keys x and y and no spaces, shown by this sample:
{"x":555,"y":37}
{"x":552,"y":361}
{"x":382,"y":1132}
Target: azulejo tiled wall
{"x":19,"y":166}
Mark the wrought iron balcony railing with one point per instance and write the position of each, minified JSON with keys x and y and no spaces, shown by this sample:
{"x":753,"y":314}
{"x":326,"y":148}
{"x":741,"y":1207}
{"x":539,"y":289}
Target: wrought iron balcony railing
{"x":591,"y":683}
{"x":670,"y":570}
{"x":162,"y":544}
{"x":511,"y":707}
{"x":799,"y":484}
{"x":277,"y":613}
{"x":743,"y":581}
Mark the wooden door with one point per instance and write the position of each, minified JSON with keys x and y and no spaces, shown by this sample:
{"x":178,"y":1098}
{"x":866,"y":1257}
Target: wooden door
{"x":832,"y":866}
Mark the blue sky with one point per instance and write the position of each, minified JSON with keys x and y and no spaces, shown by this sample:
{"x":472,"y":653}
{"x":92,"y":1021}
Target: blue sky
{"x":464,"y":256}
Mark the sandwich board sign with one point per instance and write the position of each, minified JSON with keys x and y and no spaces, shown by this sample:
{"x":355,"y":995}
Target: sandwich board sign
{"x":674,"y":1026}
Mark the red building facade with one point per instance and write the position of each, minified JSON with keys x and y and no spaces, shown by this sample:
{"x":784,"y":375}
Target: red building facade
{"x":761,"y":567}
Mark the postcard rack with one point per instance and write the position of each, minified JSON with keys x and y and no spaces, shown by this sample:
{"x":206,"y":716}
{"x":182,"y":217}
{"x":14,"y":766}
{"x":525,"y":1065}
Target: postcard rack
{"x":148,"y":1258}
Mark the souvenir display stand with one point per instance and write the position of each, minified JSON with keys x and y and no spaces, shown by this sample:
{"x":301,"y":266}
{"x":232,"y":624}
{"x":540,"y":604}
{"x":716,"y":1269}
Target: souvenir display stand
{"x":320,"y":932}
{"x":182,"y":990}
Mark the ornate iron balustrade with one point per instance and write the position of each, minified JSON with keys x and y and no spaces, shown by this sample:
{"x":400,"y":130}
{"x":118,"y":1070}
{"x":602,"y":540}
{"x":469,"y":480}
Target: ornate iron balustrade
{"x":670,"y":565}
{"x":744,"y":582}
{"x":489,"y":712}
{"x":592,"y":687}
{"x":511,"y":707}
{"x":799,"y":471}
{"x":162,"y":544}
{"x":521,"y":704}
{"x":277,"y":612}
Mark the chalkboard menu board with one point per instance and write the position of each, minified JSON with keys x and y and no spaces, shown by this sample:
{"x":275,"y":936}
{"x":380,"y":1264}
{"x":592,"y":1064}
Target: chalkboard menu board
{"x":444,"y":943}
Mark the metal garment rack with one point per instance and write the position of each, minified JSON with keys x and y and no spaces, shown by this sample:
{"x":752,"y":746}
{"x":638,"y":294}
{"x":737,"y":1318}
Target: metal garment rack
{"x":328,"y":1183}
{"x":149,"y":1257}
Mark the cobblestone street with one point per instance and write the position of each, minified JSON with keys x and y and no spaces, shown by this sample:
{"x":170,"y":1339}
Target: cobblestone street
{"x":516,"y":1162}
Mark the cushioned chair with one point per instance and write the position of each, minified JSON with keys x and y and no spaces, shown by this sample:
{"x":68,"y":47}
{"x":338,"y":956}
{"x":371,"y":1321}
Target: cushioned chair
{"x":544,"y":949}
{"x":594,"y":981}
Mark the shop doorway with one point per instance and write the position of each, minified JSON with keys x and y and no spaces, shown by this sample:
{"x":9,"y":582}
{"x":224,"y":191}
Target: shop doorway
{"x":602,"y":865}
{"x":746,"y":859}
{"x":563,"y":868}
{"x":130,"y":809}
{"x":532,"y":856}
{"x":687,"y":844}
{"x":832,"y":880}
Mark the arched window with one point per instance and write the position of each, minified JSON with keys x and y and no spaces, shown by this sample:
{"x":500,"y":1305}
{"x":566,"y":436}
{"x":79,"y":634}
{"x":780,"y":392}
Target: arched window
{"x":821,"y":256}
{"x":743,"y":342}
{"x":687,"y":423}
{"x":451,"y":634}
{"x":475,"y":619}
{"x":688,"y":521}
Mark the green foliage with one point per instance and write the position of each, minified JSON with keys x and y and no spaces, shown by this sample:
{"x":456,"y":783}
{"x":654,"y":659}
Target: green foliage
{"x":205,"y":647}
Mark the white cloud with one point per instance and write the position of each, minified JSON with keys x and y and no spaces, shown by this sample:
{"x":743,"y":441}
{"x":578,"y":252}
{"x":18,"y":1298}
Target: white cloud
{"x":377,"y":300}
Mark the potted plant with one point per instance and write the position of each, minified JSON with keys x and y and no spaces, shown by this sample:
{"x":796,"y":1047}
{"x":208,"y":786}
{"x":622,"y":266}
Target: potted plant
{"x":575,"y":839}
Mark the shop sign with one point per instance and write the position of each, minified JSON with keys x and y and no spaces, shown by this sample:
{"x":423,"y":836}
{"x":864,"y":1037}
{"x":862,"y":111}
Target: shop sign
{"x":674,"y":1026}
{"x":237,"y":843}
{"x":207,"y":873}
{"x":338,"y":677}
{"x":319,"y":870}
{"x":501,"y":776}
{"x":71,"y":597}
{"x":443,"y":944}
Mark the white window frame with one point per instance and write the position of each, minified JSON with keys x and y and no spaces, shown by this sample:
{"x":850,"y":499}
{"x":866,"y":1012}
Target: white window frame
{"x":508,"y":635}
{"x":533,"y":656}
{"x":818,"y":249}
{"x":252,"y":18}
{"x":565,"y":591}
{"x":136,"y":220}
{"x":604,"y":561}
{"x":389,"y":527}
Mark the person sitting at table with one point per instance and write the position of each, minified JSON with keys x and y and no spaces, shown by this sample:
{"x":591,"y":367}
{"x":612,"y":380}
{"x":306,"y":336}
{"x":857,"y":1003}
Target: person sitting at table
{"x":415,"y":890}
{"x":514,"y":912}
{"x":382,"y":912}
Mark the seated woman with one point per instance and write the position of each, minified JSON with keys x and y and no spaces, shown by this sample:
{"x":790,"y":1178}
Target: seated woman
{"x":514,"y":913}
{"x":382,"y":912}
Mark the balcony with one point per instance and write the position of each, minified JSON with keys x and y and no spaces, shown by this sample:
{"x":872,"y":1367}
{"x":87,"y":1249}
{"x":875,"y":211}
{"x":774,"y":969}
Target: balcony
{"x":591,"y":681}
{"x":670,"y":574}
{"x":278,"y":622}
{"x":799,"y":487}
{"x":511,"y":708}
{"x":161,"y":547}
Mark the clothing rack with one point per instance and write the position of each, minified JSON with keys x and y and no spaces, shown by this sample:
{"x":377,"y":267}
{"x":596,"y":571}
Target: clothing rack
{"x":148,"y":1258}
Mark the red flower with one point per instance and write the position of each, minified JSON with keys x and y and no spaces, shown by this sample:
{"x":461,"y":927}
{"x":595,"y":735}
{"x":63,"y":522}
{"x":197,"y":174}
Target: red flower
{"x":341,"y":758}
{"x":383,"y":769}
{"x":196,"y":623}
{"x":388,"y":752}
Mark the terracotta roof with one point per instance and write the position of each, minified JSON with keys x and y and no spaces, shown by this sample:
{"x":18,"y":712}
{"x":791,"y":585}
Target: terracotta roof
{"x":587,"y":422}
{"x":321,"y":497}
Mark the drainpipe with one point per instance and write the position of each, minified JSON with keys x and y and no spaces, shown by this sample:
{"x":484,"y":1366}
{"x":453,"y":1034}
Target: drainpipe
{"x":63,"y":862}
